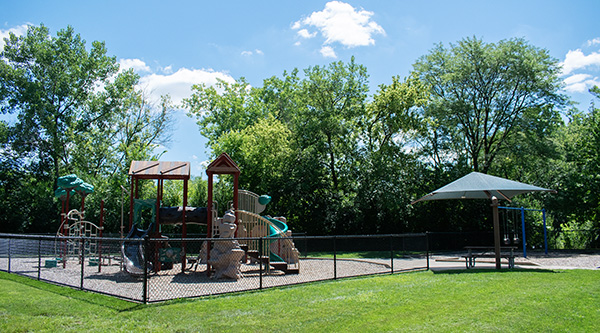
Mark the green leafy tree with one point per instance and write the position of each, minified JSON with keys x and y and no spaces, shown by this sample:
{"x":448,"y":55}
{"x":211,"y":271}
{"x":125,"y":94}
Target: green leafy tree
{"x":223,"y":107}
{"x":481,"y":93}
{"x":47,"y":82}
{"x":72,"y":112}
{"x":388,"y":164}
{"x":575,"y":174}
{"x":263,"y":152}
{"x":334,"y":99}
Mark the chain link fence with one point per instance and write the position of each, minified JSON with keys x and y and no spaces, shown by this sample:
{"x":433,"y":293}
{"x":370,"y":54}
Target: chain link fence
{"x":153,"y":270}
{"x":556,"y":240}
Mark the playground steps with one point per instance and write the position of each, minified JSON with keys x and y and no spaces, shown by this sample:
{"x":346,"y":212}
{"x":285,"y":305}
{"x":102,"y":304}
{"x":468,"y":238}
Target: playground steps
{"x":254,"y":254}
{"x":282,"y":266}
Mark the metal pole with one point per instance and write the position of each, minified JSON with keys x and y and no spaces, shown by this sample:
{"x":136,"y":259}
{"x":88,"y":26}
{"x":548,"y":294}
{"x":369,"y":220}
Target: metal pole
{"x":123,"y":190}
{"x":9,"y":245}
{"x":100,"y":235}
{"x":427,"y":247}
{"x":82,"y":256}
{"x":39,"y":257}
{"x":260,"y":263}
{"x":496,"y":231}
{"x":334,"y":260}
{"x":392,"y":254}
{"x":545,"y":231}
{"x":145,"y":280}
{"x":523,"y":230}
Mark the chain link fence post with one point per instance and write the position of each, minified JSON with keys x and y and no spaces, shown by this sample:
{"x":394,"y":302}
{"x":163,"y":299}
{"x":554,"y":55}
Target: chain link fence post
{"x":334,"y":259}
{"x":260,"y":263}
{"x":392,"y":254}
{"x":9,"y":248}
{"x":82,"y":258}
{"x":39,"y":258}
{"x":427,"y":247}
{"x":145,"y":251}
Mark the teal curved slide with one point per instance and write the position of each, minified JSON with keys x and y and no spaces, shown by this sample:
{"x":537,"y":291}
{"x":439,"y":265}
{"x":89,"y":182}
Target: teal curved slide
{"x":274,"y":233}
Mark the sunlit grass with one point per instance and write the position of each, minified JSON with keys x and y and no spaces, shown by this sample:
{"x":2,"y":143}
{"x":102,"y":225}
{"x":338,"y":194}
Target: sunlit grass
{"x":474,"y":300}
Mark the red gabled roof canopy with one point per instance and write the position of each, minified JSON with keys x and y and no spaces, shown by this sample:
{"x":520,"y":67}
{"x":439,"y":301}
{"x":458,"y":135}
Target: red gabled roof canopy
{"x":223,"y":165}
{"x":159,"y":170}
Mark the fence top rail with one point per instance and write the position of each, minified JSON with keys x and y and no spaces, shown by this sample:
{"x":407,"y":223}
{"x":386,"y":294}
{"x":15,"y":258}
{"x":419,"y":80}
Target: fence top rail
{"x":117,"y":239}
{"x":57,"y":237}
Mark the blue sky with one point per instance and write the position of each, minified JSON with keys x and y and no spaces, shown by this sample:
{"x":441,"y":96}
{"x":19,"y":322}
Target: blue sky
{"x":175,"y":44}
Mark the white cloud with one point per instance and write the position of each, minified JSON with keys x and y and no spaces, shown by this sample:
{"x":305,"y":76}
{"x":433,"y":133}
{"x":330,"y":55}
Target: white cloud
{"x":178,"y":85}
{"x":305,"y":34}
{"x":577,"y":78}
{"x":328,"y":52}
{"x":137,"y":65}
{"x":250,"y":53}
{"x":340,"y":23}
{"x":19,"y":30}
{"x":593,"y":42}
{"x":576,"y":59}
{"x":580,"y":70}
{"x":167,"y":70}
{"x":580,"y":83}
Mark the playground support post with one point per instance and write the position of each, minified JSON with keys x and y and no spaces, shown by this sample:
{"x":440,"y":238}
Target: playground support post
{"x":184,"y":226}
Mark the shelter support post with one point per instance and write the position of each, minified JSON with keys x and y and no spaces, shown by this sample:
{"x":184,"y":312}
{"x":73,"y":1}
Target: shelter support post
{"x":496,"y":231}
{"x":523,"y":231}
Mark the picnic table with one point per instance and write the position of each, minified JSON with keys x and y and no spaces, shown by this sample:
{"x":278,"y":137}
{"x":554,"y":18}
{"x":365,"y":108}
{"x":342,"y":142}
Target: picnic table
{"x":475,"y":252}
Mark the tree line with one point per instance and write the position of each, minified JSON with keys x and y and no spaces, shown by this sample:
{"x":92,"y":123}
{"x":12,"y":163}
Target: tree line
{"x":336,"y":158}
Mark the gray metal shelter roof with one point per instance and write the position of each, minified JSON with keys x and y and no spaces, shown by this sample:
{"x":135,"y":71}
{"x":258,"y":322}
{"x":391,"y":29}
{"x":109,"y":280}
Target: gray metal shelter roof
{"x":481,"y":186}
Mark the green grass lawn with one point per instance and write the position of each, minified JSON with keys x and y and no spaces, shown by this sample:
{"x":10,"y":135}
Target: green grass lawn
{"x":474,"y":300}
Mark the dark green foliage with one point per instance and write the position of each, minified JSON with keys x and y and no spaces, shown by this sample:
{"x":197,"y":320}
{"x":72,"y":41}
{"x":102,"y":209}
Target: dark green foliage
{"x":71,"y":111}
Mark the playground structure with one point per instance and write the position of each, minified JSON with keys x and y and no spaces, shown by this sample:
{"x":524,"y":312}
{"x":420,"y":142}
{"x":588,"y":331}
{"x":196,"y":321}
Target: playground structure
{"x":73,"y":225}
{"x":277,"y":251}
